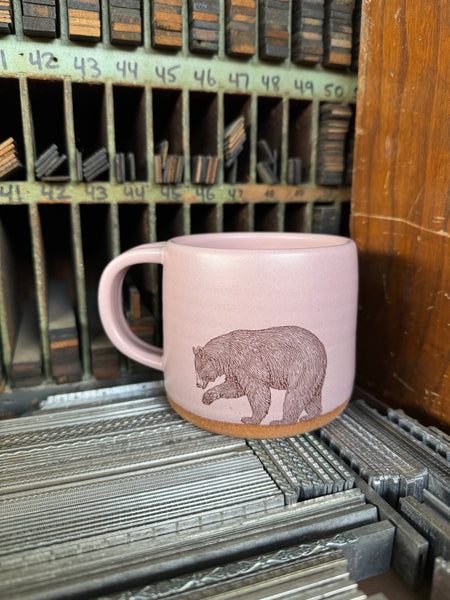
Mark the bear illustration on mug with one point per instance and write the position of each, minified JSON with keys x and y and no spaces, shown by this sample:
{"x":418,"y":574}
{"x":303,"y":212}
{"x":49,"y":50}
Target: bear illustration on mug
{"x":253,"y":362}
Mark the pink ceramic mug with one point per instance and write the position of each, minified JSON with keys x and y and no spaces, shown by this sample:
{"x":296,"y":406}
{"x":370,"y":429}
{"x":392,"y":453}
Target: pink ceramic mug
{"x":259,"y":328}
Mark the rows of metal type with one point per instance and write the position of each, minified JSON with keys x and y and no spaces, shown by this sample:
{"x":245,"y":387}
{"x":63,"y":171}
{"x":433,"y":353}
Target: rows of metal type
{"x":304,"y":31}
{"x":243,"y":143}
{"x":109,"y":494}
{"x":52,"y":259}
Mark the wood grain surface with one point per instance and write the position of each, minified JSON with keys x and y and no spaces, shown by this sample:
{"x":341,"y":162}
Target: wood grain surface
{"x":400,"y":206}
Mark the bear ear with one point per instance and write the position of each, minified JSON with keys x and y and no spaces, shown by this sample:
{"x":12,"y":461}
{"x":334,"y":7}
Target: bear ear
{"x":197,"y":351}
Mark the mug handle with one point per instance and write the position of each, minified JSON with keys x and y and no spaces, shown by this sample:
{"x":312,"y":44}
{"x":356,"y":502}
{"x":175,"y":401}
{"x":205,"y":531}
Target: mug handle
{"x":110,"y":304}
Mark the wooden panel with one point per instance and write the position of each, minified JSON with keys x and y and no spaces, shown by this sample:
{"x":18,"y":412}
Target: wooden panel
{"x":400,"y":206}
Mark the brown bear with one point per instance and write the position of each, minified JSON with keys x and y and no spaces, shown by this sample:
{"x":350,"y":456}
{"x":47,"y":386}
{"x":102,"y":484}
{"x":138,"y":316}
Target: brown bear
{"x":254,"y":361}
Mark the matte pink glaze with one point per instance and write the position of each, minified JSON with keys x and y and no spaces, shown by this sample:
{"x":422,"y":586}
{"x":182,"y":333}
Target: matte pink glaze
{"x":234,"y":296}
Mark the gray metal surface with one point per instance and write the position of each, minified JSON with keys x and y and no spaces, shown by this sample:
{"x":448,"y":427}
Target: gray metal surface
{"x":437,"y":505}
{"x":303,"y":462}
{"x":307,"y":572}
{"x":124,"y":557}
{"x":430,"y":436}
{"x":384,"y":463}
{"x":438,"y":468}
{"x":440,"y":587}
{"x":103,"y":395}
{"x":109,"y":492}
{"x":430,"y":523}
{"x":410,"y":549}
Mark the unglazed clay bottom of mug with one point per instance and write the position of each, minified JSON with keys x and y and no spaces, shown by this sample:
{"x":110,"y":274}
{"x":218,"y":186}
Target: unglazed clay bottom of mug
{"x":258,"y":431}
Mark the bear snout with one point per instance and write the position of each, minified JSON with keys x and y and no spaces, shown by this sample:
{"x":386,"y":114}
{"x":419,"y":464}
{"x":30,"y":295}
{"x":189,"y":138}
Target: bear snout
{"x":201,"y":384}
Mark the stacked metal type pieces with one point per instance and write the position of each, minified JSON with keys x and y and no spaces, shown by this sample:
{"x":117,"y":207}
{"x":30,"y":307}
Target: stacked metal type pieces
{"x":338,"y":27}
{"x":125,"y":166}
{"x":294,"y":171}
{"x":39,"y":18}
{"x":62,"y":333}
{"x":307,"y":571}
{"x":125,"y":22}
{"x":307,"y":31}
{"x":274,"y":16}
{"x":240,"y":26}
{"x":303,"y":467}
{"x":93,"y":165}
{"x":6,"y":17}
{"x":430,"y":436}
{"x":204,"y":26}
{"x":267,"y":164}
{"x":234,"y":138}
{"x":205,"y":169}
{"x":84,"y":20}
{"x":48,"y":163}
{"x":9,"y":158}
{"x":167,"y":24}
{"x":408,"y":465}
{"x":398,"y":464}
{"x":109,"y":489}
{"x":334,"y":126}
{"x":104,"y":355}
{"x":169,"y":168}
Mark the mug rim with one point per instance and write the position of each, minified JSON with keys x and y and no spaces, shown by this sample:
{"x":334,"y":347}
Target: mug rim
{"x":261,"y":241}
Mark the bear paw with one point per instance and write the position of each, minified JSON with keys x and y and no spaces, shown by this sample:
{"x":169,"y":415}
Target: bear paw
{"x":210,"y":396}
{"x":281,"y":422}
{"x":250,"y":421}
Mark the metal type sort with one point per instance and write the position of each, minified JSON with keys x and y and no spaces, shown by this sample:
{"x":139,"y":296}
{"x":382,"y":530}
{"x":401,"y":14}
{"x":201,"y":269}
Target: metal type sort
{"x":334,"y":126}
{"x":39,"y":18}
{"x":410,"y":548}
{"x":304,"y":467}
{"x":48,"y":162}
{"x":440,"y":587}
{"x":109,"y":489}
{"x":297,"y":570}
{"x":307,"y":31}
{"x":311,"y":31}
{"x":167,"y":24}
{"x":204,"y":26}
{"x":429,"y":436}
{"x":9,"y":158}
{"x":437,"y":505}
{"x":431,"y":524}
{"x":337,"y":33}
{"x":240,"y":27}
{"x":124,"y":556}
{"x":267,"y":165}
{"x":6,"y":17}
{"x":367,"y":549}
{"x":125,"y":22}
{"x":128,"y":482}
{"x":294,"y":171}
{"x":104,"y":395}
{"x":125,"y":166}
{"x":84,"y":20}
{"x":273,"y":31}
{"x":438,"y":469}
{"x":95,"y":164}
{"x":387,"y":467}
{"x":234,"y":138}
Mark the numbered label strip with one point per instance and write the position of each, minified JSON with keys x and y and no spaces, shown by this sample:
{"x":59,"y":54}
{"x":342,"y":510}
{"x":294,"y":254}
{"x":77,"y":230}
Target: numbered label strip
{"x":143,"y":66}
{"x":11,"y":193}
